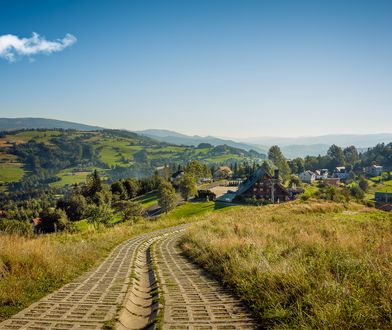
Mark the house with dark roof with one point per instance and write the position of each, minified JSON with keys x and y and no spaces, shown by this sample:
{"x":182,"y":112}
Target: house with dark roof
{"x":264,"y":187}
{"x":383,"y":200}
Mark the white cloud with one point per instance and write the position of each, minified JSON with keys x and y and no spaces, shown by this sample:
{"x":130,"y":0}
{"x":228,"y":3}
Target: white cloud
{"x":12,"y":47}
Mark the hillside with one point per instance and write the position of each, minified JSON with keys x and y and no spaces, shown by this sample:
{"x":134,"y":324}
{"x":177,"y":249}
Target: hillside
{"x":59,"y":157}
{"x":182,"y":139}
{"x":10,"y":124}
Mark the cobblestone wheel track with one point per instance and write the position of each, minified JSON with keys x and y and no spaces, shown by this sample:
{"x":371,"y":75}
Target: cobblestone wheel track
{"x":125,"y":287}
{"x":193,"y":298}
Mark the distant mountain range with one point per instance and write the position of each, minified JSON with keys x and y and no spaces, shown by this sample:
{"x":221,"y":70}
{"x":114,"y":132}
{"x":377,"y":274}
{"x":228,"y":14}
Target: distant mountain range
{"x":291,"y":147}
{"x":11,"y":124}
{"x":342,"y":140}
{"x":182,"y":139}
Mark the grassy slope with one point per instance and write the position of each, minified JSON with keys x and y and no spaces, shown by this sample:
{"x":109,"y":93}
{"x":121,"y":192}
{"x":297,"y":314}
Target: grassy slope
{"x":310,"y":266}
{"x":11,"y":172}
{"x":114,"y":151}
{"x":32,"y":267}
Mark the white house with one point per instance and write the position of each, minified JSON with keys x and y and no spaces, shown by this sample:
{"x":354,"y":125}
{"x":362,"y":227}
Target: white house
{"x":374,"y":170}
{"x":307,"y":176}
{"x":321,"y":174}
{"x":340,"y":172}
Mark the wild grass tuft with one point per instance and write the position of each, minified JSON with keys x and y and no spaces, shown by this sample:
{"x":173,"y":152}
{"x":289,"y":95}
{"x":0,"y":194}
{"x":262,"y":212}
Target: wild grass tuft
{"x":316,"y":265}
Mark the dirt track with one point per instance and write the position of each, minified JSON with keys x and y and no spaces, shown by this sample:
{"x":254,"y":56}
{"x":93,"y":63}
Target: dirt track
{"x":144,"y":283}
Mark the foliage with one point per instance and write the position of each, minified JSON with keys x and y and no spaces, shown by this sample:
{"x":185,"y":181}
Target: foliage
{"x":188,"y":186}
{"x":276,"y":156}
{"x":22,"y":228}
{"x":167,"y":197}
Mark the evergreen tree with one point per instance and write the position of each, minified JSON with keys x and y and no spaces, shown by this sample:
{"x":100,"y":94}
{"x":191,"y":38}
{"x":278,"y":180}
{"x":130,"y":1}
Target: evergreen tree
{"x":166,"y":196}
{"x":276,"y":156}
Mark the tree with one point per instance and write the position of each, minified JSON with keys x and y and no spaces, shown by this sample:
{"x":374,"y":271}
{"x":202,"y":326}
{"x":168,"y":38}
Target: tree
{"x":129,"y":209}
{"x":118,"y":189}
{"x":99,"y":215}
{"x":363,"y":184}
{"x":188,"y":186}
{"x":93,"y":185}
{"x":295,"y":182}
{"x":297,"y":165}
{"x":267,"y":167}
{"x":132,"y":187}
{"x":75,"y":206}
{"x":351,"y":155}
{"x":276,"y":156}
{"x":196,"y":169}
{"x":166,"y":196}
{"x":357,"y":192}
{"x":336,"y":155}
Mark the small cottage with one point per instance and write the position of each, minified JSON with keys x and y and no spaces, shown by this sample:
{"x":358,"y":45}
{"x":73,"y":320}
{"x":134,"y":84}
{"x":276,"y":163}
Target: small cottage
{"x":374,"y":170}
{"x":307,"y":177}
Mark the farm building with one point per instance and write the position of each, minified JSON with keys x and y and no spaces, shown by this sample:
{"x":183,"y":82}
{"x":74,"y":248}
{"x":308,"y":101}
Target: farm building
{"x":383,"y":200}
{"x":374,"y":170}
{"x":223,"y":172}
{"x":340,"y":172}
{"x":265,"y":187}
{"x":307,"y":176}
{"x":321,"y":174}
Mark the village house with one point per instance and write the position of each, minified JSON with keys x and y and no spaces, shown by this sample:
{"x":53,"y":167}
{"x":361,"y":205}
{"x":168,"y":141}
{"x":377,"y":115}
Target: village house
{"x":383,"y":200}
{"x":340,"y":172}
{"x":264,"y":187}
{"x":223,"y":172}
{"x":374,"y":170}
{"x":307,"y":176}
{"x":321,"y":174}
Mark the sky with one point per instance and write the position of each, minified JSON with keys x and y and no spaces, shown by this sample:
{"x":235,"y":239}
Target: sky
{"x":209,"y":67}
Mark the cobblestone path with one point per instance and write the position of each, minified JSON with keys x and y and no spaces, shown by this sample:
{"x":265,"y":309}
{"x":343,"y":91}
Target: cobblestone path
{"x":124,"y":293}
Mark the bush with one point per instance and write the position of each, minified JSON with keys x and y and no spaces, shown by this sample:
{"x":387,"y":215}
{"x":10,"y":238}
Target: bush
{"x":22,"y":228}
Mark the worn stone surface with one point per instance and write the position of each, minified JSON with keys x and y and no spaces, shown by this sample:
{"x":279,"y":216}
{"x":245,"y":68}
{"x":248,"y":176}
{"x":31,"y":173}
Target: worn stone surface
{"x":193,"y":298}
{"x":125,"y":286}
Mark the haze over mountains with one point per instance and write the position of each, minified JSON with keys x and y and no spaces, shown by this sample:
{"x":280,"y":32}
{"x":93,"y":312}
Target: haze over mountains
{"x":291,"y":146}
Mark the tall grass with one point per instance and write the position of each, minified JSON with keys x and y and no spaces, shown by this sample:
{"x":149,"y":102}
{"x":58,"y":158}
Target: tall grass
{"x":31,"y":267}
{"x":309,"y":266}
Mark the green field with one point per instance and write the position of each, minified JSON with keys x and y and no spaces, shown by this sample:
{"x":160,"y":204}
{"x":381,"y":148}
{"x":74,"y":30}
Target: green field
{"x":148,"y":199}
{"x":69,"y":178}
{"x":11,"y":172}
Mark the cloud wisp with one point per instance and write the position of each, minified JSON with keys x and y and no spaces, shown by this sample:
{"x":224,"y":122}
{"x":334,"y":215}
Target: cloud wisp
{"x":13,"y":48}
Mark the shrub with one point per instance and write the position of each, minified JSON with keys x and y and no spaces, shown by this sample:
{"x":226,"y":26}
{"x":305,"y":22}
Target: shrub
{"x":22,"y":228}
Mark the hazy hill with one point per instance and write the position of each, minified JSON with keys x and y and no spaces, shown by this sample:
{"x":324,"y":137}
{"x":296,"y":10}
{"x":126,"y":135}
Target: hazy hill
{"x":182,"y":139}
{"x":10,"y":124}
{"x":343,"y":140}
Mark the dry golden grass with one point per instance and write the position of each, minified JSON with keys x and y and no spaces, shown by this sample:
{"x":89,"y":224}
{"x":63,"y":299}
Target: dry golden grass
{"x":316,"y":265}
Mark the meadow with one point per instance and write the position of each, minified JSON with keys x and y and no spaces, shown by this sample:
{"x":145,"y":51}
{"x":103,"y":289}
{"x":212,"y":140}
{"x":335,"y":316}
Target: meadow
{"x":313,"y":265}
{"x":31,"y":267}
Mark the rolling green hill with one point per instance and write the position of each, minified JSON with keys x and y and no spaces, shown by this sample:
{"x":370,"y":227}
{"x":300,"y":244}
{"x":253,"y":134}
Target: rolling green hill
{"x":61,"y":157}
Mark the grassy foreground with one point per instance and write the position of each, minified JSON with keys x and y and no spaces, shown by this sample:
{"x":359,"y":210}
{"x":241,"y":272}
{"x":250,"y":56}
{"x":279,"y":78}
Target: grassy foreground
{"x":30,"y":268}
{"x":311,"y":266}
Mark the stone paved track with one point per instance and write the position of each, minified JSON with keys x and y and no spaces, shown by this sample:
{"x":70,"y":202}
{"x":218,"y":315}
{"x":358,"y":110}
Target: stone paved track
{"x":91,"y":300}
{"x":192,"y":298}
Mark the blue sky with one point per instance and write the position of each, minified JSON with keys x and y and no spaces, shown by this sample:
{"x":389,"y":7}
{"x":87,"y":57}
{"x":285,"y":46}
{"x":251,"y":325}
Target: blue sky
{"x":219,"y":67}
